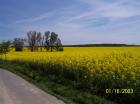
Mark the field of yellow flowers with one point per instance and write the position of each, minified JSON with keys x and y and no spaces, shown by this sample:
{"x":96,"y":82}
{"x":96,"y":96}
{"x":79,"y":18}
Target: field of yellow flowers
{"x":92,"y":69}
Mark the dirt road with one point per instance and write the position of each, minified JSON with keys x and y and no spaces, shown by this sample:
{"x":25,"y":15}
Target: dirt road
{"x":15,"y":90}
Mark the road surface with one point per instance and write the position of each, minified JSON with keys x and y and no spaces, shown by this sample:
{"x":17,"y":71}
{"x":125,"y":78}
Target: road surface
{"x":15,"y":90}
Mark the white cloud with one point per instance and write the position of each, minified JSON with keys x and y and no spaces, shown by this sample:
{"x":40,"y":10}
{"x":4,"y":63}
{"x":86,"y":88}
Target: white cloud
{"x":36,"y":18}
{"x":75,"y":25}
{"x":115,"y":10}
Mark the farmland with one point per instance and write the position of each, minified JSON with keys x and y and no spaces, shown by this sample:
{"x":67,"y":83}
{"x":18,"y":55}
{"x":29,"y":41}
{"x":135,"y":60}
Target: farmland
{"x":89,"y":69}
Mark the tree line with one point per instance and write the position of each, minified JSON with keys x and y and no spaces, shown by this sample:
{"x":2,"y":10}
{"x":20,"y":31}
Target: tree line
{"x":49,"y":41}
{"x":35,"y":40}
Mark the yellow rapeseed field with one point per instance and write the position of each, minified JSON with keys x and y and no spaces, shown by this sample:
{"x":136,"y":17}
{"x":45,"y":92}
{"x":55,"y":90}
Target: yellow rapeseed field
{"x":90,"y":67}
{"x":75,"y":52}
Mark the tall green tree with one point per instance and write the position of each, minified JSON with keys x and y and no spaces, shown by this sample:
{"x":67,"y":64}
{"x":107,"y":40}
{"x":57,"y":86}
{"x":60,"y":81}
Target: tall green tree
{"x":59,"y":46}
{"x":53,"y":39}
{"x":47,"y":40}
{"x":18,"y":44}
{"x":52,"y":42}
{"x":5,"y":48}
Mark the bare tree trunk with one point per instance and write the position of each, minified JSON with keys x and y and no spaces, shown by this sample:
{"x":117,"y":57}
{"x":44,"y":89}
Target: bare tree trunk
{"x":5,"y":56}
{"x":41,"y":48}
{"x":51,"y":48}
{"x":31,"y":49}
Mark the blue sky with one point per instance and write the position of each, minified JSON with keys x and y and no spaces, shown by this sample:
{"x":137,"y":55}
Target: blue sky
{"x":76,"y":21}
